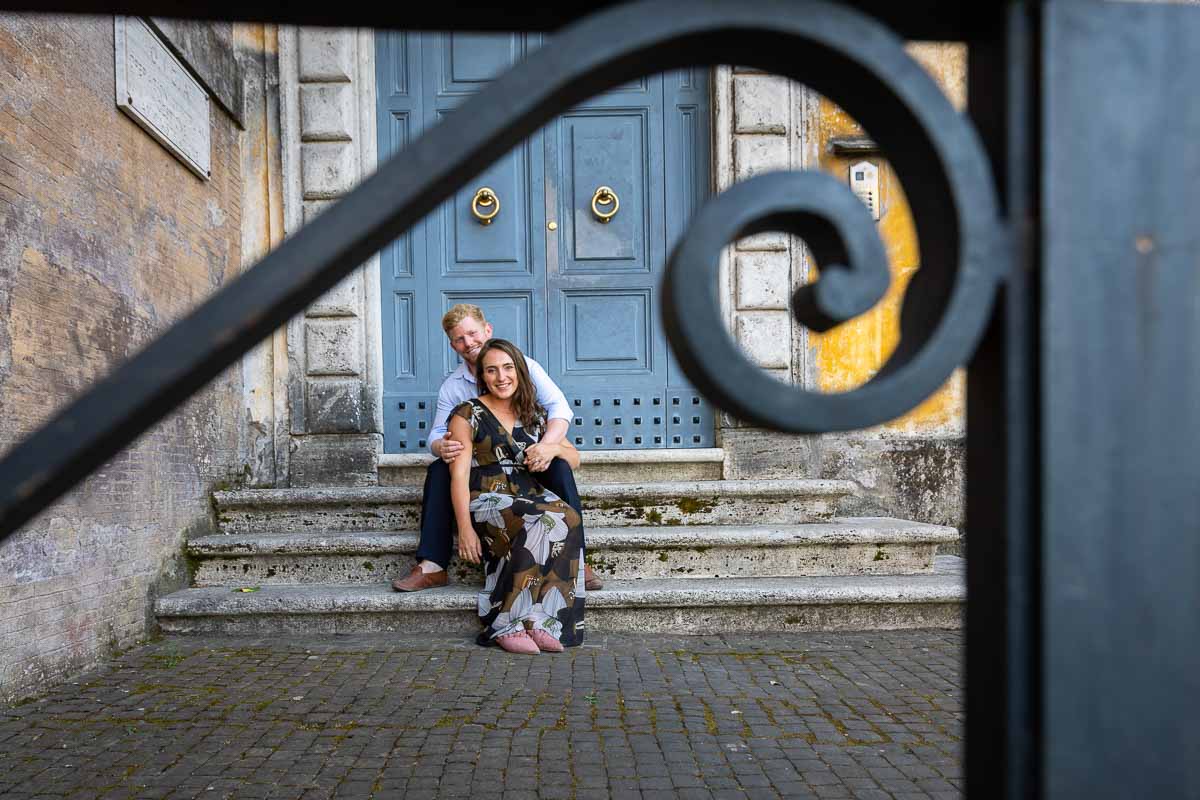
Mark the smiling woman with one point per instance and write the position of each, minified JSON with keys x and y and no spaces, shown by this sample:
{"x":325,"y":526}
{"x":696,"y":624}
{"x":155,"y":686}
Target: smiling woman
{"x":530,"y":541}
{"x":501,"y":373}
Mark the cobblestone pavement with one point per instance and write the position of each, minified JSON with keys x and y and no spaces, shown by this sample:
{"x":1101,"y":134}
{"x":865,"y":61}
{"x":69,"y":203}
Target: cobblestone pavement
{"x":862,"y":715}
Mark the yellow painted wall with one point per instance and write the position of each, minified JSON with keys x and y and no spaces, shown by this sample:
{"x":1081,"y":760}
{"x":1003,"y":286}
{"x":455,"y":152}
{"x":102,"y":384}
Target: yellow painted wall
{"x":850,"y":354}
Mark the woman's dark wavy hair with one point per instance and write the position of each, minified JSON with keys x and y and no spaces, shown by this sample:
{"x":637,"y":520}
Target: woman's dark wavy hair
{"x":525,"y":403}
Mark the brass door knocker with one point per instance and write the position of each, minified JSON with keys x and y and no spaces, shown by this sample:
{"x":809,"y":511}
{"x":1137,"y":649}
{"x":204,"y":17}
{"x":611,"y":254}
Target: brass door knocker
{"x":486,"y":200}
{"x":605,"y":196}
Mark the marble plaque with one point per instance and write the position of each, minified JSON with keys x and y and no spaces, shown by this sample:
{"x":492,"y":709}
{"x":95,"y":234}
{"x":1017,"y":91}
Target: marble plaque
{"x":157,"y":91}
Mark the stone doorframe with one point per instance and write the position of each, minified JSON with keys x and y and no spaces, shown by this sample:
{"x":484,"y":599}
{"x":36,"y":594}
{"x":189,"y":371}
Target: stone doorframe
{"x":335,"y":349}
{"x":335,"y":360}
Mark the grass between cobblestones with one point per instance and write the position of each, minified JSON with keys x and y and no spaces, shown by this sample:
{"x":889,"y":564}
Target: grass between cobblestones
{"x":852,"y":715}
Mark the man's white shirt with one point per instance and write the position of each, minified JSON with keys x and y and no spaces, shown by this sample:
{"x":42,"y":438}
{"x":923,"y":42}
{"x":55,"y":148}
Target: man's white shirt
{"x":460,"y":386}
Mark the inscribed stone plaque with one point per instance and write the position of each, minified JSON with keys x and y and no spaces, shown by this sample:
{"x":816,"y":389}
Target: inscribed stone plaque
{"x":155,"y":89}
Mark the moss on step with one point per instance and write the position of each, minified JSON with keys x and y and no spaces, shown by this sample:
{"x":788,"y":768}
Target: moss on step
{"x":696,"y":505}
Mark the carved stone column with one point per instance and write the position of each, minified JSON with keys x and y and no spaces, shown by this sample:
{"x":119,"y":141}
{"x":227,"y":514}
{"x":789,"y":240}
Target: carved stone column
{"x":328,"y":130}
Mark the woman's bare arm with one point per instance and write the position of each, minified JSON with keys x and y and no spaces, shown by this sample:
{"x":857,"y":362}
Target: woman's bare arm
{"x":469,"y":548}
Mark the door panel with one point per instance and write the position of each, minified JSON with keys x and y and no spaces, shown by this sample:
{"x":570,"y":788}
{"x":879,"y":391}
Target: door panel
{"x":465,"y":247}
{"x":607,"y":420}
{"x":605,"y":149}
{"x":688,"y":143}
{"x":607,"y":332}
{"x":398,"y":259}
{"x":403,"y":356}
{"x":467,"y":62}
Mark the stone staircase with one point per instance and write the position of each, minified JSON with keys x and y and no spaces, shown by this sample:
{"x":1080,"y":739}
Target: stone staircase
{"x":695,"y":554}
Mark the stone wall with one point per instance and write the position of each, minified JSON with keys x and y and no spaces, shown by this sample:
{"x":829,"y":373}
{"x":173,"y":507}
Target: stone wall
{"x":911,"y":467}
{"x":106,"y":240}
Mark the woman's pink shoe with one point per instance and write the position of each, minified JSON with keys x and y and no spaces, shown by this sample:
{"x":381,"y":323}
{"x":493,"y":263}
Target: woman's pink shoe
{"x":518,"y":642}
{"x":545,"y":642}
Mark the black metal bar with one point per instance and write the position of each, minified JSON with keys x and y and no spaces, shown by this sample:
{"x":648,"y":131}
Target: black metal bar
{"x":1003,"y":742}
{"x":1121,"y":399}
{"x":1083,"y":635}
{"x":917,"y":19}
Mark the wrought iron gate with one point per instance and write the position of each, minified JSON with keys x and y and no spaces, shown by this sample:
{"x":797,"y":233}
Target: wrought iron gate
{"x":1059,"y":251}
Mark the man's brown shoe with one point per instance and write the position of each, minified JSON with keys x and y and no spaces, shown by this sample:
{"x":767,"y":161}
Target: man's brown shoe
{"x":418,"y":580}
{"x":590,"y":581}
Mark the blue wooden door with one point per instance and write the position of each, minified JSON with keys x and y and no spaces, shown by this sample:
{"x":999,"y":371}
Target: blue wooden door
{"x":565,"y":269}
{"x":628,"y":168}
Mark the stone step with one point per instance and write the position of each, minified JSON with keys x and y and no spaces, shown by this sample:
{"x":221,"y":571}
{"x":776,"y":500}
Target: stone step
{"x":846,"y":546}
{"x":662,"y":605}
{"x":393,"y":508}
{"x":596,"y":466}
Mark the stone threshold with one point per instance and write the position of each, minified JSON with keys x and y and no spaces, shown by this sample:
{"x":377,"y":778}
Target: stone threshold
{"x":596,"y":466}
{"x":704,"y":455}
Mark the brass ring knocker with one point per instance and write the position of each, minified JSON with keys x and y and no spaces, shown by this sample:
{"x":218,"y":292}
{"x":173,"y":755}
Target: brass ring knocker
{"x":485,"y":198}
{"x":605,"y":196}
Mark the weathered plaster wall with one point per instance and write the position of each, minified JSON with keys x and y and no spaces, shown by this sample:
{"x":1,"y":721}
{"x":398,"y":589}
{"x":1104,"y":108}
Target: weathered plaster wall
{"x":849,"y":355}
{"x":912,"y":466}
{"x":266,"y":417}
{"x":106,"y":240}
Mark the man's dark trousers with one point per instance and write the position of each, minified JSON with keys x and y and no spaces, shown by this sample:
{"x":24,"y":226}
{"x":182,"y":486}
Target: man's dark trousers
{"x":437,"y":513}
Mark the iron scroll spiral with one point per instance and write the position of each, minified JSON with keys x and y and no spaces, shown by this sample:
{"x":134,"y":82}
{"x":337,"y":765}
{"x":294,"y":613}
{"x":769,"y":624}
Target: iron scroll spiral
{"x":944,"y":171}
{"x":933,"y":149}
{"x":839,"y":52}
